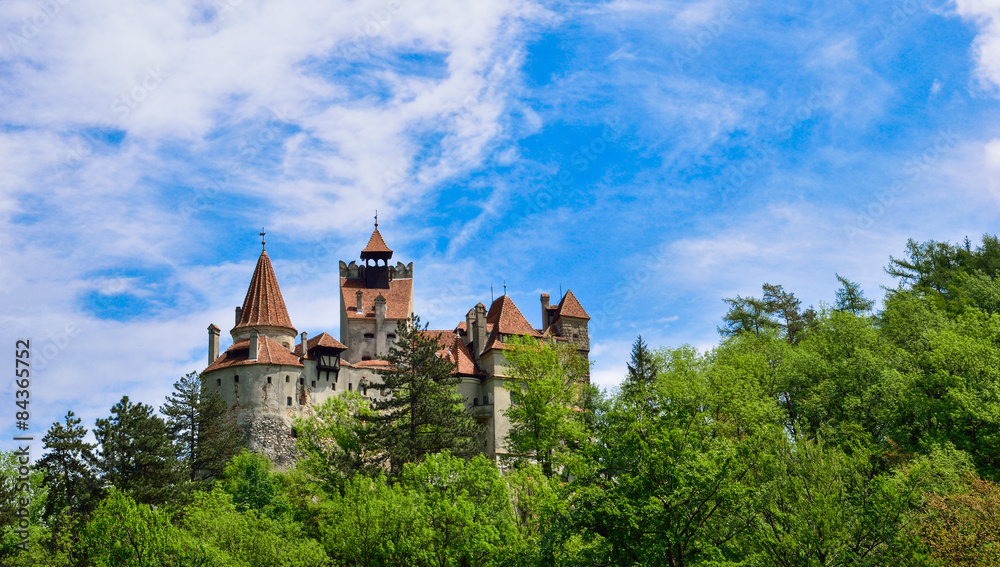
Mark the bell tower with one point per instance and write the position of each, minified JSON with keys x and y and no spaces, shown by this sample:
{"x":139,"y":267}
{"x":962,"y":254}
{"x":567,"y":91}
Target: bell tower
{"x":376,"y":275}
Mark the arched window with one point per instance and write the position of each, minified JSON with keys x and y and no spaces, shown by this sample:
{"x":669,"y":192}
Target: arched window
{"x":475,"y":401}
{"x":218,"y":382}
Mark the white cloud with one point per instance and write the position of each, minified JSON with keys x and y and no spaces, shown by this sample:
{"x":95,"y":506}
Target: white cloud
{"x":986,"y":13}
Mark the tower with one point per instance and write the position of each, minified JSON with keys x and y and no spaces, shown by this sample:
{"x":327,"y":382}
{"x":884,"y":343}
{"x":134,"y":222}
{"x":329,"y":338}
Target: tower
{"x":373,"y":298}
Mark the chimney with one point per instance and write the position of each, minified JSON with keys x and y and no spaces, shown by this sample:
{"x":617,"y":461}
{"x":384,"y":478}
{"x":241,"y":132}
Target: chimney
{"x":470,"y":319}
{"x":361,"y":309}
{"x":479,"y":338}
{"x":213,"y":343}
{"x":254,"y":344}
{"x":305,"y":350}
{"x":545,"y":311}
{"x":379,"y":323}
{"x":239,"y":314}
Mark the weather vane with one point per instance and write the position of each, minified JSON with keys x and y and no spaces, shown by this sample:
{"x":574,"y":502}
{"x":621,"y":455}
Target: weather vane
{"x":376,"y":218}
{"x":263,"y":243}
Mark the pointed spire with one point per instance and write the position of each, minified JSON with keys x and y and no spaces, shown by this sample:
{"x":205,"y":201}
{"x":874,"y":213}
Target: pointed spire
{"x":263,"y":305}
{"x":376,"y":247}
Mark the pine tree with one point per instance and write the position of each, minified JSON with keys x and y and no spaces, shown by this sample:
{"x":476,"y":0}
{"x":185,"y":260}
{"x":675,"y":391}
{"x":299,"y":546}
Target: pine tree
{"x":850,"y":297}
{"x":422,"y":412}
{"x":136,"y":454}
{"x":642,"y":370}
{"x":66,"y":469}
{"x":204,"y":433}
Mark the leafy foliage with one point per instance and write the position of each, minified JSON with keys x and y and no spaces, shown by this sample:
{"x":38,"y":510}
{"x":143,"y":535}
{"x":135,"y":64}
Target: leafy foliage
{"x":546,"y":384}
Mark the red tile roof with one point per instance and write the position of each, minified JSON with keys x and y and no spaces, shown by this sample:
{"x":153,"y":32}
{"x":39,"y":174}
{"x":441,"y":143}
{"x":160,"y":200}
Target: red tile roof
{"x":263,"y":304}
{"x":374,"y":363}
{"x":268,"y":352}
{"x":397,"y":298}
{"x":506,"y":318}
{"x":453,"y":350}
{"x":376,"y":245}
{"x":570,"y":307}
{"x":323,"y":340}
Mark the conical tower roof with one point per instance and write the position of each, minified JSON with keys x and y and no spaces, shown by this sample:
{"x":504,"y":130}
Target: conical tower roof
{"x":376,"y":247}
{"x":263,"y":305}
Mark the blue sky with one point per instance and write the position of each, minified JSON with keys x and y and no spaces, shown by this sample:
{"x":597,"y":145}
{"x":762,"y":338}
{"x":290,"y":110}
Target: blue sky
{"x":654,"y":157}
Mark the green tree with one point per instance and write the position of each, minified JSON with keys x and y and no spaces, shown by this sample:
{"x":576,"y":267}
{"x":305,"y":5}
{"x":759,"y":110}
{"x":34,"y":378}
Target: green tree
{"x":204,"y":432}
{"x":421,"y":412}
{"x":136,"y":455}
{"x":785,"y":306}
{"x":671,"y":487}
{"x":747,"y":315}
{"x":829,"y":506}
{"x":125,"y":533}
{"x":546,"y":384}
{"x":642,"y":371}
{"x":845,"y":373}
{"x":248,"y":479}
{"x":466,"y":505}
{"x":332,"y":441}
{"x":20,"y":480}
{"x":850,"y":298}
{"x":66,"y":469}
{"x":248,"y":539}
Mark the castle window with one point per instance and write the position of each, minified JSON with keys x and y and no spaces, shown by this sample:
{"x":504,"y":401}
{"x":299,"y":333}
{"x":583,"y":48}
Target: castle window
{"x":268,"y":379}
{"x":475,"y":401}
{"x":286,"y":379}
{"x":369,"y":335}
{"x":236,"y":378}
{"x":288,"y":401}
{"x":391,"y":336}
{"x":364,"y":390}
{"x":218,"y":382}
{"x":486,"y":399}
{"x":302,"y":381}
{"x":313,"y":383}
{"x":350,"y":387}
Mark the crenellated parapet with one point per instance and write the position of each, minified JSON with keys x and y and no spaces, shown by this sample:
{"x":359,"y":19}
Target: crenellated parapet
{"x":349,"y":270}
{"x":401,"y":271}
{"x":397,"y":272}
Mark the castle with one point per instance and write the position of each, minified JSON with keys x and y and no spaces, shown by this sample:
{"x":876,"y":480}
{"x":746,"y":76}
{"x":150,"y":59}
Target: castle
{"x":271,"y":374}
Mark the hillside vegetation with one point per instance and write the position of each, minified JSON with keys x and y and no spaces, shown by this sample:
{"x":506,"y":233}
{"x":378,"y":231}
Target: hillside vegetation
{"x":838,"y":436}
